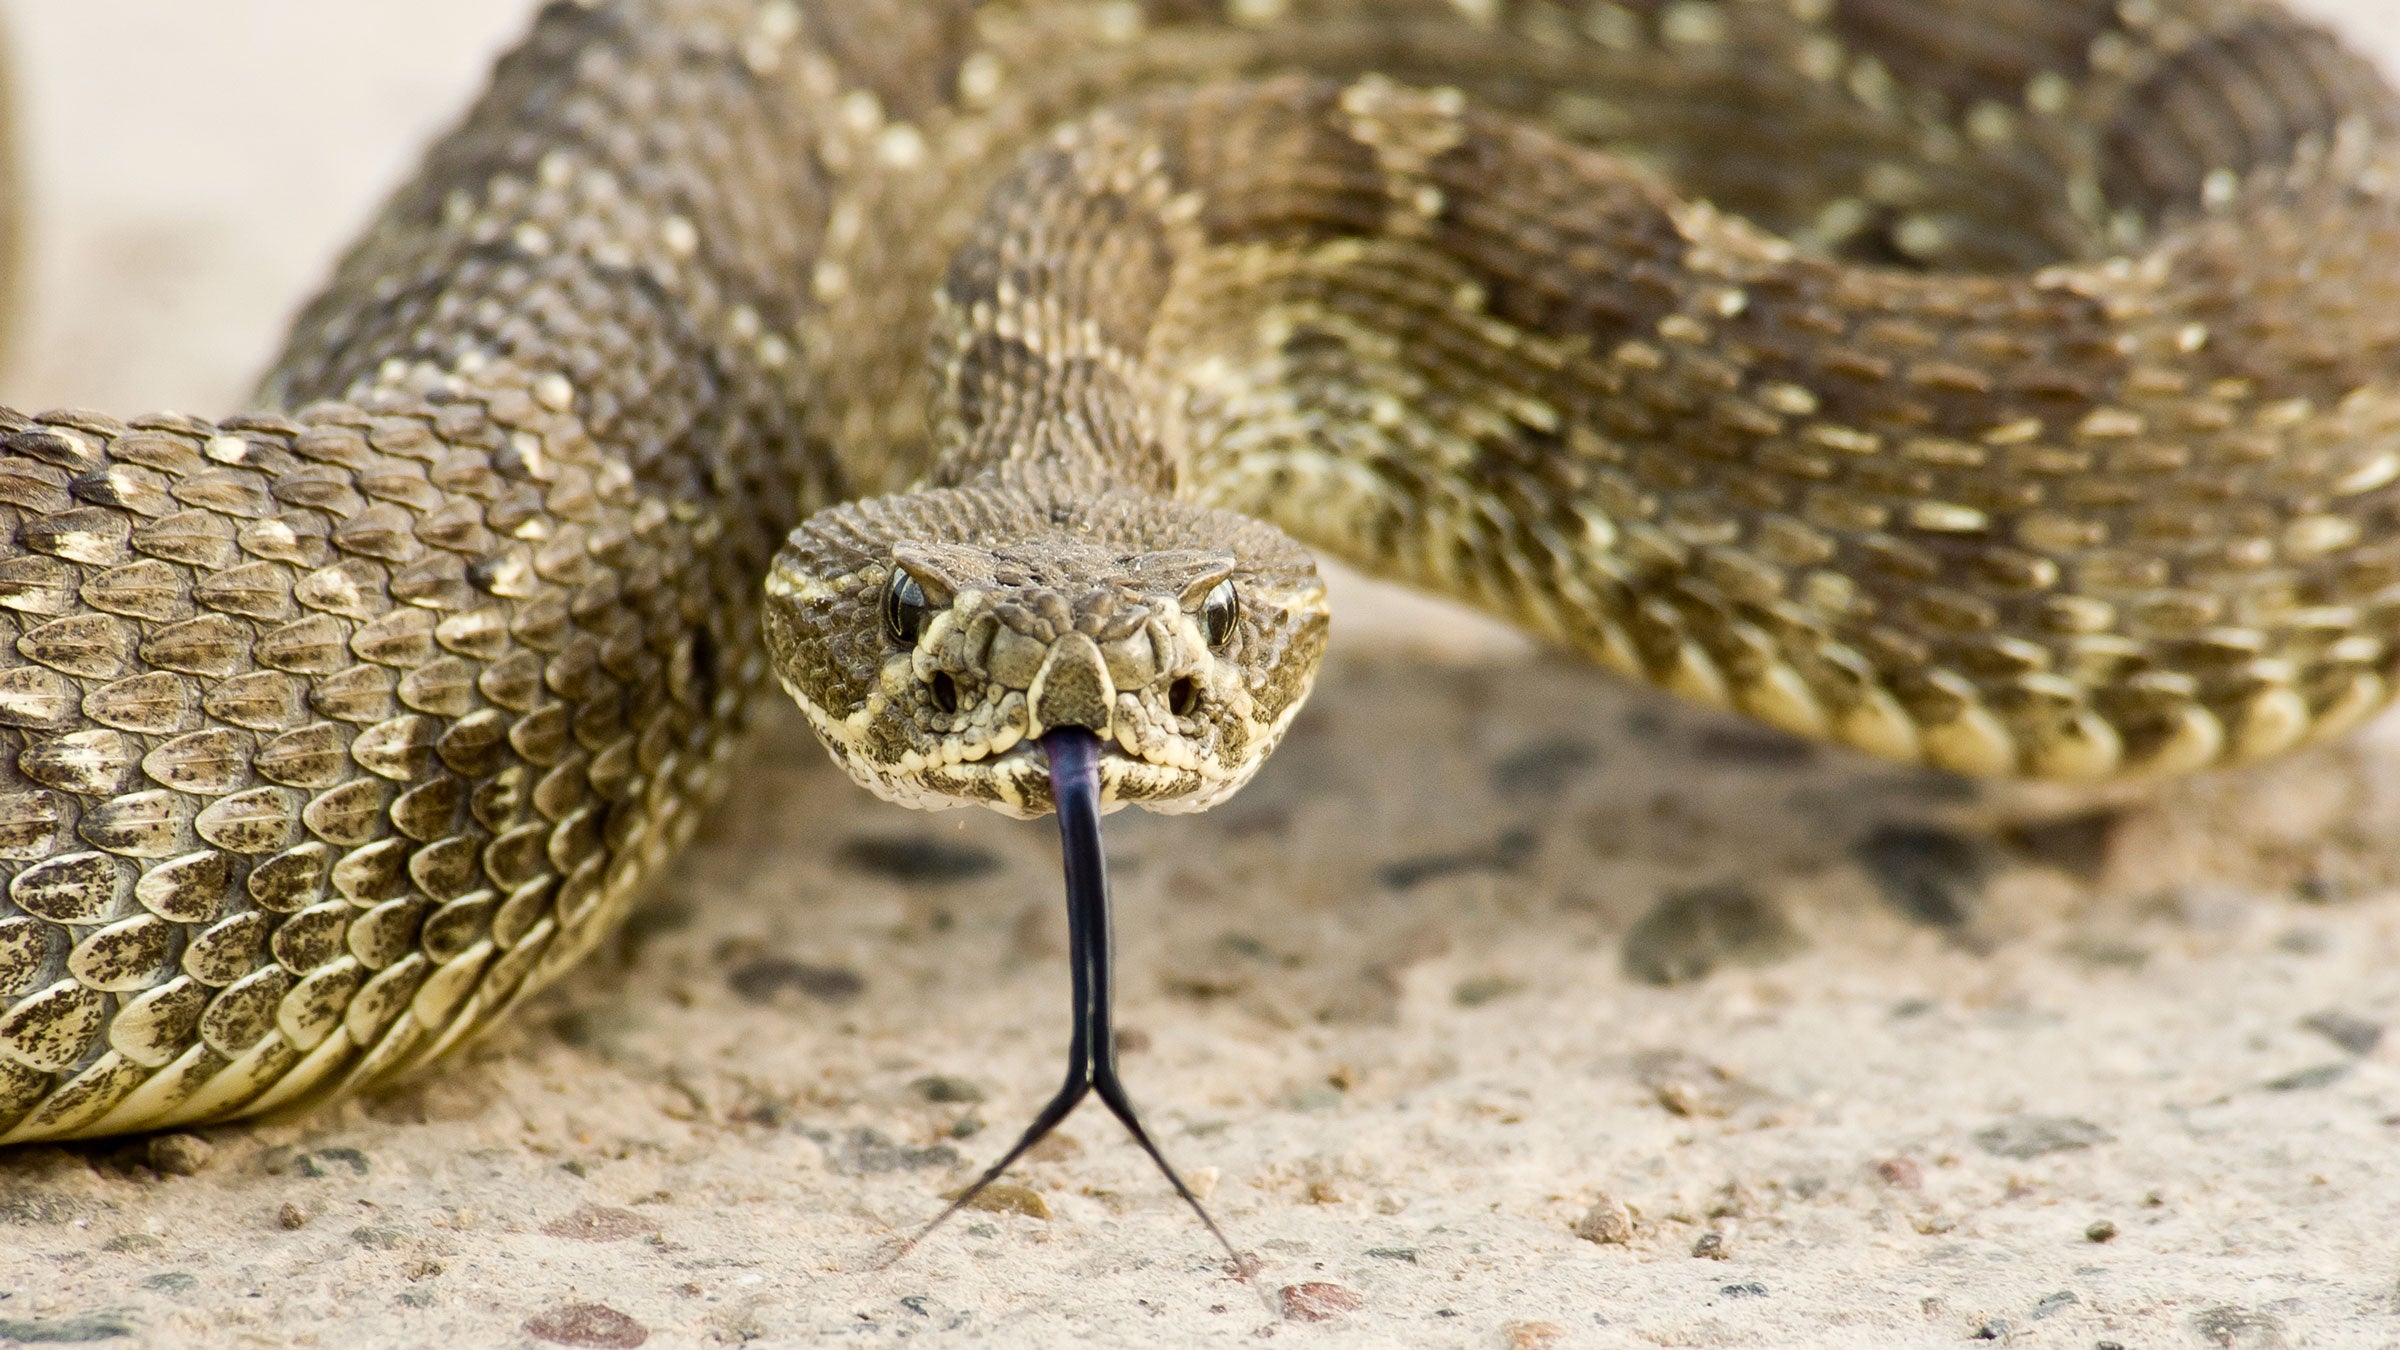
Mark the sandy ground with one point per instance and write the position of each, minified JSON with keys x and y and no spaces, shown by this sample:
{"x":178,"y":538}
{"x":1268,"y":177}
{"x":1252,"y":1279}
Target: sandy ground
{"x":1509,"y":1007}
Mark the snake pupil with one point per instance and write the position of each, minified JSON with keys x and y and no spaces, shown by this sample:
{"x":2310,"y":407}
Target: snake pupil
{"x":904,"y":607}
{"x":1217,"y":614}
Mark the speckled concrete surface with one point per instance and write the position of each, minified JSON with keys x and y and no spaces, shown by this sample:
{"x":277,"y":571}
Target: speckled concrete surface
{"x":1926,"y":1063}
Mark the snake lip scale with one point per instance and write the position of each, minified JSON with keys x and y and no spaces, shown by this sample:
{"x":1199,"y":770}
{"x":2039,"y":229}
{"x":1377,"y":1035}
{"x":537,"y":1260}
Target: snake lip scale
{"x":2010,"y":387}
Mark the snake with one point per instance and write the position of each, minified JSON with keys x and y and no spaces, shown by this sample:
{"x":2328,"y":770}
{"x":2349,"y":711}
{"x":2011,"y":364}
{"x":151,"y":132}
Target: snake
{"x":2009,"y":387}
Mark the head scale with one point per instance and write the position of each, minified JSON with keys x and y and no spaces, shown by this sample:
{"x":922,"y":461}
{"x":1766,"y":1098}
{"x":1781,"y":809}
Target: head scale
{"x":932,"y":638}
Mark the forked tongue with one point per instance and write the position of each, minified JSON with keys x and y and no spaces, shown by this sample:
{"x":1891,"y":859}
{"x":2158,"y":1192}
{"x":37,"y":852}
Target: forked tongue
{"x":1074,"y":755}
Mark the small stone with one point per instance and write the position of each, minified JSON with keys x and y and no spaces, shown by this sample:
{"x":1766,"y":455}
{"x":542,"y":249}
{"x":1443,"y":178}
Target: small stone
{"x":947,"y":1088}
{"x":761,"y":979}
{"x":2316,"y":1076}
{"x":172,"y":1282}
{"x":1901,"y":1173}
{"x":1712,"y":1245}
{"x":134,"y":1242}
{"x":918,"y":858}
{"x":2100,"y":1230}
{"x":1688,"y":1085}
{"x":1608,"y":1222}
{"x":2239,"y":1329}
{"x":2032,"y":1136}
{"x":1318,"y":1301}
{"x":1478,"y":990}
{"x":291,"y":1216}
{"x":1746,"y":1289}
{"x":1691,"y":933}
{"x":1408,"y":1254}
{"x":1932,"y":876}
{"x":1007,"y":1197}
{"x":382,"y":1238}
{"x":180,"y":1155}
{"x":1531,"y":1335}
{"x":598,"y":1223}
{"x":2051,"y":1303}
{"x":1994,"y":1330}
{"x":1543,"y":769}
{"x":587,"y":1324}
{"x":2077,"y":845}
{"x":80,"y":1330}
{"x":2354,"y":1034}
{"x":1508,"y":853}
{"x":2208,"y":907}
{"x":867,"y":1151}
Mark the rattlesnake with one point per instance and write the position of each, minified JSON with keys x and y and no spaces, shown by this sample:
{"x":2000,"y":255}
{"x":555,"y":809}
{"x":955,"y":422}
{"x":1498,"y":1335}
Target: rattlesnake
{"x":2003,"y":385}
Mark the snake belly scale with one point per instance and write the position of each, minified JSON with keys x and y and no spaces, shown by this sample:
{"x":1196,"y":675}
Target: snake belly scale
{"x":2002,"y":385}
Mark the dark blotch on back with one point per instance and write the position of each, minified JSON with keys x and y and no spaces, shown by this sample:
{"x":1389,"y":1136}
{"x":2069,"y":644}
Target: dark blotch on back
{"x":909,"y":55}
{"x":1989,"y":56}
{"x":1239,"y":148}
{"x":2238,"y":100}
{"x":1537,"y":248}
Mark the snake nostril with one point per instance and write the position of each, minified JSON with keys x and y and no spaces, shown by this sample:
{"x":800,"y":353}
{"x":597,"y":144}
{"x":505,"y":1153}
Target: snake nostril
{"x":1183,"y":697}
{"x":945,"y":692}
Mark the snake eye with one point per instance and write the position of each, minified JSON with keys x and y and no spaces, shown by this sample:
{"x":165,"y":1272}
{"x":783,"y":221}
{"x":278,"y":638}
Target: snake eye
{"x":1217,"y":614}
{"x":904,"y":607}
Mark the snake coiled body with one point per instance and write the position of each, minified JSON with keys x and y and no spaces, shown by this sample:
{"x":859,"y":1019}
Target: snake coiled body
{"x":2005,"y":385}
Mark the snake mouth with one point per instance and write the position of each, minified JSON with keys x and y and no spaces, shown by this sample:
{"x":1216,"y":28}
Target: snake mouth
{"x":1016,"y":781}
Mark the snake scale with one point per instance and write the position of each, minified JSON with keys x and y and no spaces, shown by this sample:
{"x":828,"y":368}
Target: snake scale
{"x":2010,"y":386}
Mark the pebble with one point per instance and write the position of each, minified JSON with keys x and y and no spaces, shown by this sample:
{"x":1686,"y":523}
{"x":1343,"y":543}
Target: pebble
{"x":66,"y":1330}
{"x":2077,"y":845}
{"x":1609,"y":1222}
{"x":599,"y":1223}
{"x":180,"y":1155}
{"x":291,"y":1216}
{"x":1934,"y":877}
{"x":947,"y":1088}
{"x":2315,"y":1076}
{"x":1475,"y":991}
{"x":2052,"y":1303}
{"x":1691,"y":933}
{"x":2239,"y":1329}
{"x":2354,"y":1034}
{"x":918,"y":859}
{"x":1007,"y":1197}
{"x":587,"y":1324}
{"x":761,"y":979}
{"x":866,"y":1151}
{"x":2032,"y":1136}
{"x":1901,"y":1173}
{"x":1531,"y":1335}
{"x":1544,"y":768}
{"x":2100,"y":1230}
{"x":1508,"y":853}
{"x":1318,"y":1301}
{"x":1712,"y":1245}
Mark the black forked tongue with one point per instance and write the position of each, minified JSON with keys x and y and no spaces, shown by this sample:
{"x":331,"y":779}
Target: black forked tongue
{"x":1091,"y":948}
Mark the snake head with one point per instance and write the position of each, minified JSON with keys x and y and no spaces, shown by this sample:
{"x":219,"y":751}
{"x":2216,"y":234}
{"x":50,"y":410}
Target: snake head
{"x":933,"y":638}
